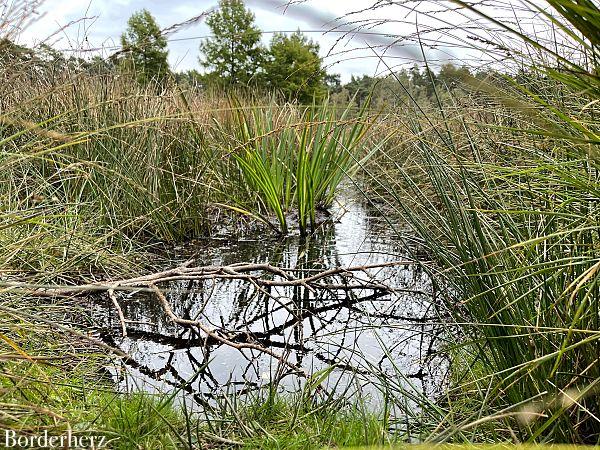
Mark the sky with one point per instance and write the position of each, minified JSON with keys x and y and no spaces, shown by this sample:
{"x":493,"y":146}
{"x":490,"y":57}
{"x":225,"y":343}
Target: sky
{"x":353,"y":40}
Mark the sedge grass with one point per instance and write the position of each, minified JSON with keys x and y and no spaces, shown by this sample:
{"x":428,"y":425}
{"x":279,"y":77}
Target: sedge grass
{"x":513,"y":227}
{"x":295,"y":160}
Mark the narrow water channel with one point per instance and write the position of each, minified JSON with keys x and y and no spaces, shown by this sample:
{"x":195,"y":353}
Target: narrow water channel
{"x":367,"y":334}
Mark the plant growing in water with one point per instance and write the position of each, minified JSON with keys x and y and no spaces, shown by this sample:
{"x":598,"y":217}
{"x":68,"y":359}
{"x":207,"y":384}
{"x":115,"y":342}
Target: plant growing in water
{"x":290,"y":158}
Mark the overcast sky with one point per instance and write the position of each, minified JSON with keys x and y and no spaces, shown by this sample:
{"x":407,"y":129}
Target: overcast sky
{"x":89,"y":25}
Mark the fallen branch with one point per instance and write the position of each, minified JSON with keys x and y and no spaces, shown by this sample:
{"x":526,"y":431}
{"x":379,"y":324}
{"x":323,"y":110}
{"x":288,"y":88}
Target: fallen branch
{"x":235,"y":271}
{"x":255,"y":274}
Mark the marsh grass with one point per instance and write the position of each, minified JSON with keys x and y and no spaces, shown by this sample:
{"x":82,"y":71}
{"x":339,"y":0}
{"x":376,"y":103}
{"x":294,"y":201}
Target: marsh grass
{"x":295,"y":158}
{"x":133,"y":157}
{"x":266,"y":419}
{"x":41,"y":397}
{"x":512,"y":227}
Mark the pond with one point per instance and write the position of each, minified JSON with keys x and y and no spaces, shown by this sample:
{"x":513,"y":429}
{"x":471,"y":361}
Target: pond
{"x":371,"y":336}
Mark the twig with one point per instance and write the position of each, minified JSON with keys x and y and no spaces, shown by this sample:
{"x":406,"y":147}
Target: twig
{"x":113,"y":297}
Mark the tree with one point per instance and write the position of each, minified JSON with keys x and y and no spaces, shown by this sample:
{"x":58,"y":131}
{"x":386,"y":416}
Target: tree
{"x":361,"y":87}
{"x":333,"y":82}
{"x":12,"y":54}
{"x":424,"y":81}
{"x":234,"y":53}
{"x":293,"y":67}
{"x":190,"y":79}
{"x":451,"y":76}
{"x":145,"y":48}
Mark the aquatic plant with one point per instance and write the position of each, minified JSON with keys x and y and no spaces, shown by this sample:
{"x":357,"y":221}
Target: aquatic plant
{"x":292,"y":158}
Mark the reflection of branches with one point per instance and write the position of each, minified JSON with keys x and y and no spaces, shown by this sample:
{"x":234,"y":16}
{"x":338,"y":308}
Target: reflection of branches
{"x":269,"y":313}
{"x":251,"y":273}
{"x":322,"y":315}
{"x":198,"y":324}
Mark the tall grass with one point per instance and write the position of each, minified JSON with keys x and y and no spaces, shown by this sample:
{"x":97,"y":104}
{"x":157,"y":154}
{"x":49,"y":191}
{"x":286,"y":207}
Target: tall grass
{"x":157,"y":163}
{"x":137,"y":157}
{"x":513,"y":227}
{"x":295,"y":159}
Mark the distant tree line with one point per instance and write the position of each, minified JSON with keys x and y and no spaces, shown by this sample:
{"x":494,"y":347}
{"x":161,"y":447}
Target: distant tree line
{"x":416,"y":82}
{"x":234,"y":56}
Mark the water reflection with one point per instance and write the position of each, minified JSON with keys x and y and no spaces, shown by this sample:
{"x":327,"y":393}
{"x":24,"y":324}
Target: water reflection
{"x":355,"y":329}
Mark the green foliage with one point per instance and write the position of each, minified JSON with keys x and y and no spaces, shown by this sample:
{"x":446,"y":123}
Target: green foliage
{"x":405,"y":86}
{"x":291,"y":158}
{"x":145,"y":48}
{"x":360,"y":88}
{"x":451,"y":76}
{"x":517,"y":243}
{"x":423,"y":81}
{"x":510,"y":216}
{"x":141,"y":420}
{"x":293,"y":67}
{"x":40,"y":397}
{"x":270,"y":421}
{"x":190,"y":79}
{"x":11,"y":53}
{"x":114,"y":153}
{"x":43,"y":61}
{"x":233,"y":55}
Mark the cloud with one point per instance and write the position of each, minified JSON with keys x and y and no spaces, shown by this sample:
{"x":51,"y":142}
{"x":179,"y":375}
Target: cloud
{"x":349,"y":43}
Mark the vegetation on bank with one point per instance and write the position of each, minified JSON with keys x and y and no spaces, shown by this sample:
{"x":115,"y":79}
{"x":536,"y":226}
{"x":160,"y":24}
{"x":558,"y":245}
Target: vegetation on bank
{"x":512,"y":223}
{"x":496,"y":174}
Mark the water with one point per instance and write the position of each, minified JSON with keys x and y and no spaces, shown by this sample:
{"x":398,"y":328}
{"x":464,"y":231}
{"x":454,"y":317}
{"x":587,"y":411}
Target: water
{"x":368,"y":334}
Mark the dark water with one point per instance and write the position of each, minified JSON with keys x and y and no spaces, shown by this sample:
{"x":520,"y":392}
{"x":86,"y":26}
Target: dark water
{"x":368,"y":334}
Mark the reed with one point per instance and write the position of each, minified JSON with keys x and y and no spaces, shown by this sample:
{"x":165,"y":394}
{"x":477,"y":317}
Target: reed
{"x":512,"y":224}
{"x":293,"y":159}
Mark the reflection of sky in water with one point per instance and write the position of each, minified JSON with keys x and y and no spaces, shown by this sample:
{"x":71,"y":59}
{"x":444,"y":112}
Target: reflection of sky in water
{"x":353,"y":329}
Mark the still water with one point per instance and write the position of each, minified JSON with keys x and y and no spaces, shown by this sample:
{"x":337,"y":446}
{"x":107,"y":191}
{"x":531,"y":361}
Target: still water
{"x":369,"y":335}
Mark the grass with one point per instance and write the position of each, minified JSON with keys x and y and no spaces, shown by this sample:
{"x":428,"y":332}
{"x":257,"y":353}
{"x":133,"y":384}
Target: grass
{"x":500,"y":186}
{"x":295,"y":158}
{"x":132,"y":158}
{"x":154,"y":165}
{"x":41,"y":397}
{"x":267,"y":420}
{"x":512,"y":225}
{"x":37,"y":398}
